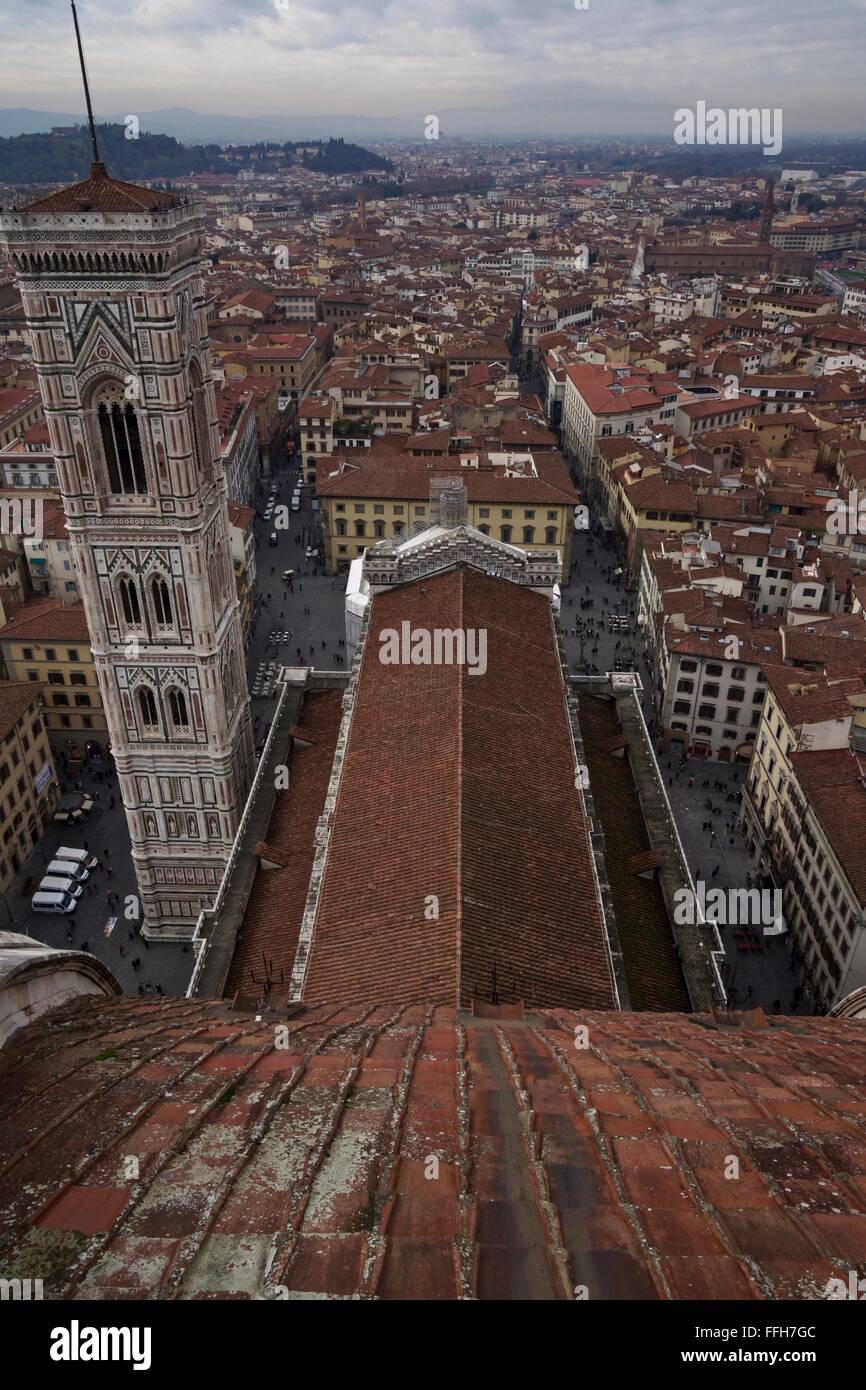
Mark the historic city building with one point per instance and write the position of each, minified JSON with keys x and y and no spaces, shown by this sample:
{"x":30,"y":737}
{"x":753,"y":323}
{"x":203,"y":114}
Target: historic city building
{"x":113,"y":292}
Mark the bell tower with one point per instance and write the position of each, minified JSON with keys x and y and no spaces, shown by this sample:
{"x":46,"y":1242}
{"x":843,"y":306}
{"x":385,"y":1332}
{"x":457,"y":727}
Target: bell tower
{"x":113,"y":292}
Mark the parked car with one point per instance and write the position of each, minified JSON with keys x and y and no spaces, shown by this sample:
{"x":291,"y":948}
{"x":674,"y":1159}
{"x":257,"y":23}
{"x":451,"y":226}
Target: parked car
{"x":52,"y":884}
{"x":53,"y":901}
{"x":77,"y":856}
{"x":64,"y":868}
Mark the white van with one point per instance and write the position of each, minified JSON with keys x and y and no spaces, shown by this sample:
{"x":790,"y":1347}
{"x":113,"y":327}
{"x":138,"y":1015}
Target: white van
{"x":51,"y":883}
{"x":78,"y":856}
{"x":296,"y":503}
{"x":53,"y":902}
{"x":64,"y":868}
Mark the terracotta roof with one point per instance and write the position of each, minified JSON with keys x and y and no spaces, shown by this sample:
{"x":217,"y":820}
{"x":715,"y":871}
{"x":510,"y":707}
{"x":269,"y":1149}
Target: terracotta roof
{"x":459,"y":843}
{"x":240,"y":515}
{"x":273,"y":914}
{"x":99,"y":193}
{"x":16,"y":398}
{"x":618,"y":389}
{"x":380,"y":472}
{"x":832,"y":780}
{"x":808,"y":697}
{"x":45,"y":620}
{"x":411,"y":1153}
{"x":15,"y":698}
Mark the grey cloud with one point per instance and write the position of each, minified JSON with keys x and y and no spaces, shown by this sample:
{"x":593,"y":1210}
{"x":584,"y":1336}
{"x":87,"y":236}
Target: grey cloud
{"x":615,"y":60}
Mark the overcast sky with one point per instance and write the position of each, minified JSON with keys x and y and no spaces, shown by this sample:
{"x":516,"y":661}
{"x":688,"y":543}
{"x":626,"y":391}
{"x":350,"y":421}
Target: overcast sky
{"x":619,"y":66}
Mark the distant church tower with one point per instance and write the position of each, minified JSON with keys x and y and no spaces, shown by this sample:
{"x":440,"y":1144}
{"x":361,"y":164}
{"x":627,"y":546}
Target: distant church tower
{"x":111,"y":283}
{"x":766,"y":223}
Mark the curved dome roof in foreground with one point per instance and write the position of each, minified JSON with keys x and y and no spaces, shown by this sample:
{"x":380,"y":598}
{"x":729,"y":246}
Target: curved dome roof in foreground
{"x":183,"y":1148}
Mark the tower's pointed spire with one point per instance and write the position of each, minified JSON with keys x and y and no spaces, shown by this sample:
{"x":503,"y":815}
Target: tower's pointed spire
{"x":98,"y":168}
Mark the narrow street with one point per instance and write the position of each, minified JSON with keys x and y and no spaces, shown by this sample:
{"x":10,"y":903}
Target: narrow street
{"x":704,"y":793}
{"x":105,"y":928}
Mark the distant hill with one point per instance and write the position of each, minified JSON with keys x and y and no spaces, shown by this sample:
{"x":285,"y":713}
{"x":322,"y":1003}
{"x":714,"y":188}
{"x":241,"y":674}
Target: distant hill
{"x":63,"y":156}
{"x":197,"y":128}
{"x":339,"y":158}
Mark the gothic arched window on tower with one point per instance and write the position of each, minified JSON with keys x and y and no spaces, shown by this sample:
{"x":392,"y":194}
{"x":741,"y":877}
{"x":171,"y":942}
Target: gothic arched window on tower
{"x":200,"y":426}
{"x":129,"y":601}
{"x":121,"y":447}
{"x":147,"y":708}
{"x":177,"y":710}
{"x":161,"y":602}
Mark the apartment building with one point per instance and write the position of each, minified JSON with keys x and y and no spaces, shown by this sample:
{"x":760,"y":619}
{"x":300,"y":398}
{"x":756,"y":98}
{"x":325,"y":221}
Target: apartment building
{"x":29,"y":787}
{"x":46,"y":641}
{"x":287,"y":360}
{"x":316,"y":416}
{"x":522,"y":500}
{"x":778,"y":391}
{"x":239,"y":441}
{"x":298,"y":303}
{"x":824,"y":902}
{"x":803,"y":711}
{"x":243,"y":548}
{"x":803,"y":816}
{"x":524,"y":216}
{"x":673,"y":306}
{"x":697,"y":417}
{"x":12,"y":581}
{"x":340,"y":306}
{"x":855,"y":300}
{"x":600,"y":402}
{"x":461,"y":357}
{"x":366,"y":392}
{"x":818,"y":238}
{"x":50,"y":558}
{"x":20,"y":410}
{"x":28,"y":461}
{"x":709,"y":688}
